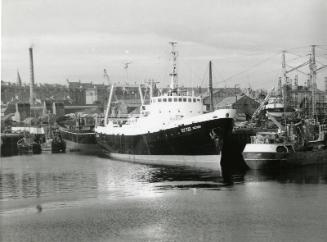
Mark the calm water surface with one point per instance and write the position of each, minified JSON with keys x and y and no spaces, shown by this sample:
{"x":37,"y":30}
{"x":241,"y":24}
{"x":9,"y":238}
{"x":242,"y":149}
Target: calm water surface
{"x":70,"y":197}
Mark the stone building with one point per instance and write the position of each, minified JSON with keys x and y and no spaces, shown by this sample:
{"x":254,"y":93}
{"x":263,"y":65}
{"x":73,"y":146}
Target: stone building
{"x":219,"y":94}
{"x":242,"y":103}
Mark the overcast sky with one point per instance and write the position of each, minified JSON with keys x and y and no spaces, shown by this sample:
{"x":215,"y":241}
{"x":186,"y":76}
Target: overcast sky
{"x":76,"y":39}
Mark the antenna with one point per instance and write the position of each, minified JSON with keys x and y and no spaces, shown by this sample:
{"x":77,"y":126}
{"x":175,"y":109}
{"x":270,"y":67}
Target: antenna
{"x":106,"y":76}
{"x":126,"y":65}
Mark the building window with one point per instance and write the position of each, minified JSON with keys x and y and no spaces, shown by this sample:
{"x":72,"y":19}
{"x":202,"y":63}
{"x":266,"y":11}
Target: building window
{"x":169,"y":99}
{"x":190,"y":100}
{"x":184,"y":99}
{"x":164,"y":99}
{"x":194,"y":100}
{"x":180,"y":99}
{"x":175,"y":99}
{"x":159,"y":100}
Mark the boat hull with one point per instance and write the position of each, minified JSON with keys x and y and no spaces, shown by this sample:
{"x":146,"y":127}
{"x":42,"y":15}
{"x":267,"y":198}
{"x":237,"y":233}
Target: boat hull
{"x":189,"y":145}
{"x":269,"y":160}
{"x":258,"y":160}
{"x":210,"y":162}
{"x":80,"y":142}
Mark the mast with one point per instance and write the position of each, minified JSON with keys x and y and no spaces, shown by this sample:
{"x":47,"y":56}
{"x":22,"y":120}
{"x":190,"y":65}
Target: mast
{"x":173,"y":74}
{"x":210,"y":86}
{"x":126,"y":65}
{"x":19,"y":80}
{"x":141,"y":95}
{"x":108,"y":105}
{"x":313,"y":68}
{"x":32,"y":77}
{"x":284,"y":87}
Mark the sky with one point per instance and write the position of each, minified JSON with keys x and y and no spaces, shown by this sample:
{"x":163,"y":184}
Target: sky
{"x":77,"y":39}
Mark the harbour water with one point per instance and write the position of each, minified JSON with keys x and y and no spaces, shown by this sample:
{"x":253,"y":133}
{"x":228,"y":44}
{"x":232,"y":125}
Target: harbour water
{"x":70,"y":197}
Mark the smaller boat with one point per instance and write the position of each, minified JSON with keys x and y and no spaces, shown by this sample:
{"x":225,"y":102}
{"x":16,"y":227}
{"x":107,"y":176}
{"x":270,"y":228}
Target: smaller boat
{"x":78,"y":132}
{"x":267,"y":150}
{"x":28,"y":145}
{"x":277,"y":109}
{"x":58,"y":144}
{"x":289,"y":148}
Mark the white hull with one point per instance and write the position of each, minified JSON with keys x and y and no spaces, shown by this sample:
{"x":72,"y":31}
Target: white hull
{"x":210,"y":162}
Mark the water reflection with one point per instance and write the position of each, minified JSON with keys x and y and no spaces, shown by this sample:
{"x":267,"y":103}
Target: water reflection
{"x":95,"y":177}
{"x":315,"y":174}
{"x":27,"y":185}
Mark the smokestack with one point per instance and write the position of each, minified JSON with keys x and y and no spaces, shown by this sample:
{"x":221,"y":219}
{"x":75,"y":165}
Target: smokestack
{"x":32,"y":76}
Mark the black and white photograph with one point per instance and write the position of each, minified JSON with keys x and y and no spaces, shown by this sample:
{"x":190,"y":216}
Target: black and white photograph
{"x":163,"y":120}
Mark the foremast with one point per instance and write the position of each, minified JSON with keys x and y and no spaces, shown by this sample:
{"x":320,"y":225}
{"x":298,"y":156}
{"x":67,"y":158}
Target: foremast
{"x":173,"y":74}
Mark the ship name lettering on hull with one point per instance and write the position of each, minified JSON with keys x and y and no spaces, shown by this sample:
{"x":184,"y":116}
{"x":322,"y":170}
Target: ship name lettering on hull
{"x":188,"y":129}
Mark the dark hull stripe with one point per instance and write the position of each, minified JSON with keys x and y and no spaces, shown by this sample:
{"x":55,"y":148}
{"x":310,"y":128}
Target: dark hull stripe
{"x":184,"y":140}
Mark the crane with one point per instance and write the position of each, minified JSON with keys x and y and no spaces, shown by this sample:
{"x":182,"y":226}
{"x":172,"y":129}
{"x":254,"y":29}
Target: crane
{"x":262,"y":105}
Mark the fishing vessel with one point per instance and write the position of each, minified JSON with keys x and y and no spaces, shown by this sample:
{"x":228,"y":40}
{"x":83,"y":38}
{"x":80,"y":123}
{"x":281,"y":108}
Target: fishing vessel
{"x":28,"y":145}
{"x":276,"y":108}
{"x":78,"y":132}
{"x":173,"y":129}
{"x":301,"y":144}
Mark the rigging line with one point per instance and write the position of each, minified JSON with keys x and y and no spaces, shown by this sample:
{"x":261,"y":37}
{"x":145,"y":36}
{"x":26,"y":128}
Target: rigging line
{"x":190,"y":69}
{"x":321,"y":48}
{"x":299,"y":56}
{"x":319,"y":62}
{"x":271,"y":71}
{"x":300,"y":47}
{"x":203,"y":76}
{"x":250,"y":68}
{"x":219,"y":73}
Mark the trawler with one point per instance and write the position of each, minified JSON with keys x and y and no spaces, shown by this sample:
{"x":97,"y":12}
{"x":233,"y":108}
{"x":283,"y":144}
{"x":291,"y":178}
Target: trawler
{"x":304,"y":143}
{"x":173,"y":129}
{"x":78,"y":132}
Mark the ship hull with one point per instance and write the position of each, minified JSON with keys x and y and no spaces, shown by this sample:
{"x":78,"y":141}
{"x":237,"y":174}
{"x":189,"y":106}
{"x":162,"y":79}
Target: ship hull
{"x":210,"y":162}
{"x":189,"y":145}
{"x":268,"y":160}
{"x":81,"y":142}
{"x":260,"y":161}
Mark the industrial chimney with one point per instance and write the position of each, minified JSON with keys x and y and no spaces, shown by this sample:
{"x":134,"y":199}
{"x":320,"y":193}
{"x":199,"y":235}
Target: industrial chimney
{"x":32,"y":77}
